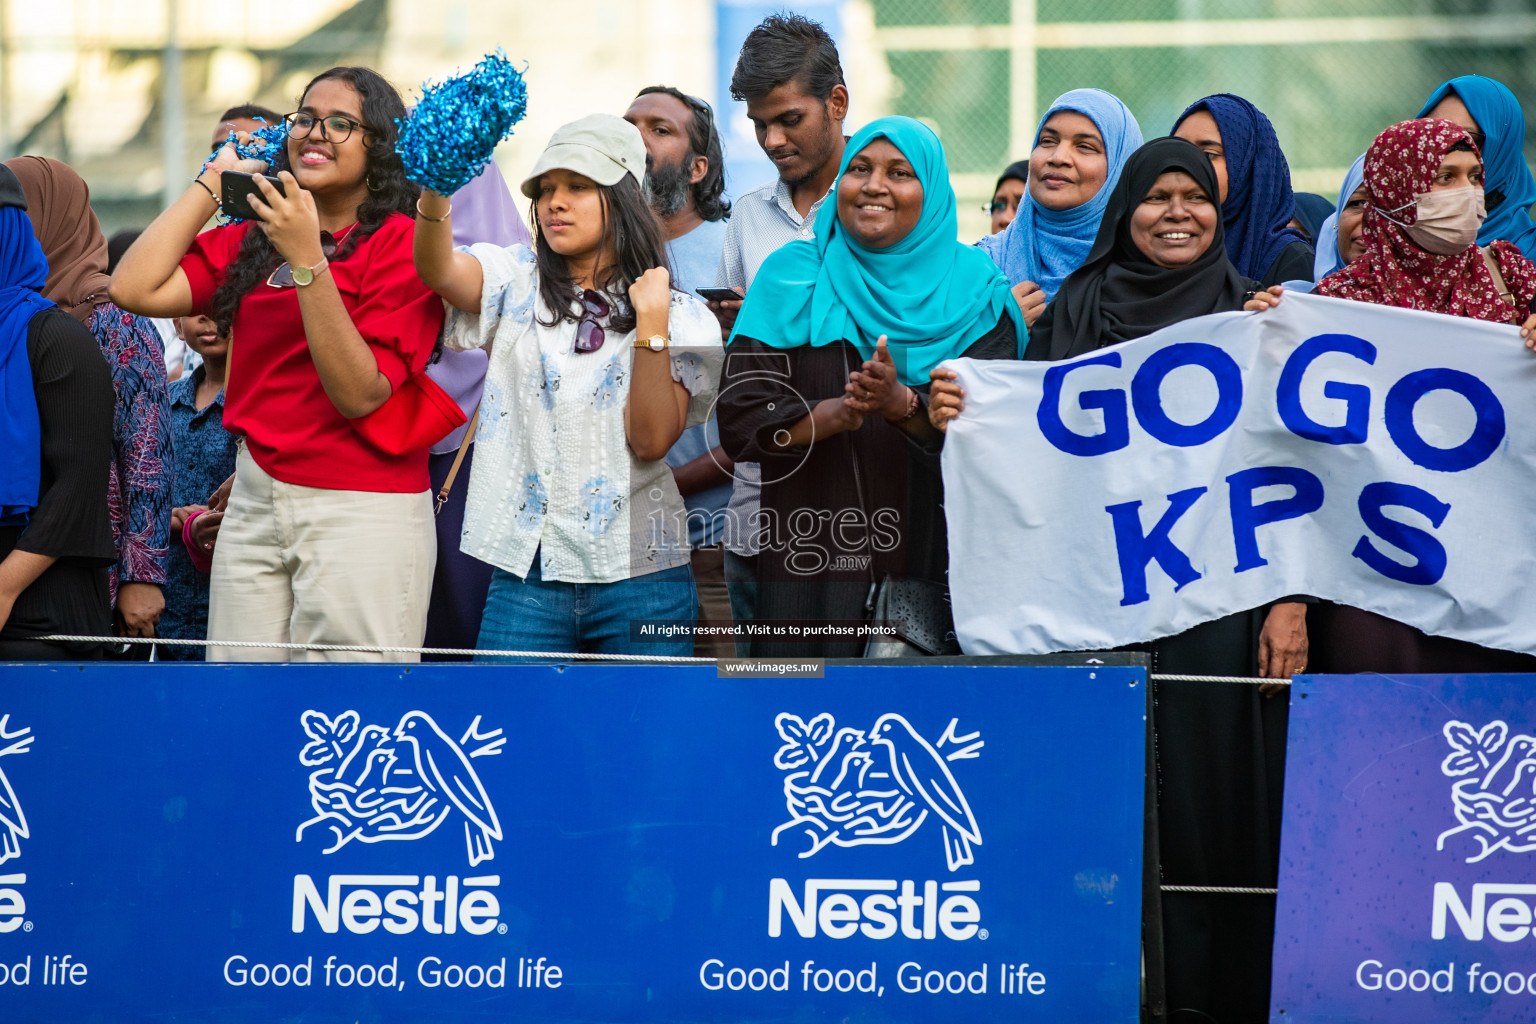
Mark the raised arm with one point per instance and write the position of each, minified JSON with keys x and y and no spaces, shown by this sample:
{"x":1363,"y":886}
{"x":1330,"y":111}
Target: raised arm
{"x":456,"y":276}
{"x":149,"y":280}
{"x":348,"y":369}
{"x":658,"y":405}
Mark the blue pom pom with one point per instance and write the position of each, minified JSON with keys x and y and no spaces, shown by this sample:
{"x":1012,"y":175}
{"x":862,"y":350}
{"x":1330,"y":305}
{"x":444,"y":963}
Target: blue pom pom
{"x":269,"y":143}
{"x":449,"y":138}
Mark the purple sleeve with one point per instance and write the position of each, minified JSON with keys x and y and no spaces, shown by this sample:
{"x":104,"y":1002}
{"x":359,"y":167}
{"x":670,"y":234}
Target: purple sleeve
{"x":141,"y":443}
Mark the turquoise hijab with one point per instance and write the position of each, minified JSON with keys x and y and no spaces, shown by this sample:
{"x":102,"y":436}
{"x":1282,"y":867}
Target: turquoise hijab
{"x":1498,"y":114}
{"x":930,"y":295}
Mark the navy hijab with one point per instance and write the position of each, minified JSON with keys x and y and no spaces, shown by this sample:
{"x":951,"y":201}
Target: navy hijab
{"x":1259,"y":205}
{"x":23,"y":269}
{"x":1312,"y":210}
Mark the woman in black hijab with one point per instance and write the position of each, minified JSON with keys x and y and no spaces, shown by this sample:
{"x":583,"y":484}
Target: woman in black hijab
{"x":1161,"y":258}
{"x":1139,"y":276}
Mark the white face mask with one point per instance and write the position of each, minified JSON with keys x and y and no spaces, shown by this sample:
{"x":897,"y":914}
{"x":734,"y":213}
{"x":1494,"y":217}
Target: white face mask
{"x":1447,"y":221}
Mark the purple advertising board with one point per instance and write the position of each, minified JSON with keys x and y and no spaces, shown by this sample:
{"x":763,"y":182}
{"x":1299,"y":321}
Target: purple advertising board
{"x":1408,"y":856}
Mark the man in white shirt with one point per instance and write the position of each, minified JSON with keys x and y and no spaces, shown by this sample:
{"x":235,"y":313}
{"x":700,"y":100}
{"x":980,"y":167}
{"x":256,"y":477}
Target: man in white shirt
{"x":792,"y":82}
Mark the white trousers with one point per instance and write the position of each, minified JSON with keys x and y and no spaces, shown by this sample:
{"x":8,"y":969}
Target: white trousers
{"x":310,"y":565}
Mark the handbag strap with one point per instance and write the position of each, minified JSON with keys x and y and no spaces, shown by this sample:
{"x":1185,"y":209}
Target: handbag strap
{"x":458,"y":460}
{"x":1498,"y":278}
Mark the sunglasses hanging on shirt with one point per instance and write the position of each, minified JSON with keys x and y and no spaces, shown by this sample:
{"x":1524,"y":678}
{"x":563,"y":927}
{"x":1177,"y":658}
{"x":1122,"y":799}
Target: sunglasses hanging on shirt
{"x":589,"y":330}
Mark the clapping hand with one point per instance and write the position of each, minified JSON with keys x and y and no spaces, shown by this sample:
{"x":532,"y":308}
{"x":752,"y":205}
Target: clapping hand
{"x":873,"y":388}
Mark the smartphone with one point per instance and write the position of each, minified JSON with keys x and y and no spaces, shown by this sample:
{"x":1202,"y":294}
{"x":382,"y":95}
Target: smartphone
{"x":719,"y":294}
{"x":238,"y":187}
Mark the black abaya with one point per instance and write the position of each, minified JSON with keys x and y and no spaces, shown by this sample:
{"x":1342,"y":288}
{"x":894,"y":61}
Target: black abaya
{"x":844,"y":513}
{"x":1220,"y":755}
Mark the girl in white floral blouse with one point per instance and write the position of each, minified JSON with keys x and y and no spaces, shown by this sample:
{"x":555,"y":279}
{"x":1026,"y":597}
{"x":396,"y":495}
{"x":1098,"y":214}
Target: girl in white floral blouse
{"x":598,"y":366}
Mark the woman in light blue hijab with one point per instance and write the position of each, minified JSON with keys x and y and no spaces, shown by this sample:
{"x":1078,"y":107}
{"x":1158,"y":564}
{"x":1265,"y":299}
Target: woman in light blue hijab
{"x":1499,"y":131}
{"x":1330,"y":256}
{"x":1071,"y":175}
{"x":826,"y":382}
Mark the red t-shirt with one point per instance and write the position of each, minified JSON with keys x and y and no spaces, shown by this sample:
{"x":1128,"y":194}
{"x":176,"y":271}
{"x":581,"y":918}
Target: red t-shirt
{"x":274,"y":396}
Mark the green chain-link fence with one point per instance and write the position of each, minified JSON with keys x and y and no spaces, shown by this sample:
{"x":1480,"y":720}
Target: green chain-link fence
{"x":1329,"y":73}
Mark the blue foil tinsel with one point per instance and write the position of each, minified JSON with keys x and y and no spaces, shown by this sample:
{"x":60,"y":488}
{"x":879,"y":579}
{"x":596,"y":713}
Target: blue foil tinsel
{"x":274,"y":152}
{"x":449,"y":138}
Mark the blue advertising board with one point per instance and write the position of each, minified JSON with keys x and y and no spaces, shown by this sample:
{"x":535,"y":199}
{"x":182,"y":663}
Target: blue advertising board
{"x":1408,"y":853}
{"x":553,"y":843}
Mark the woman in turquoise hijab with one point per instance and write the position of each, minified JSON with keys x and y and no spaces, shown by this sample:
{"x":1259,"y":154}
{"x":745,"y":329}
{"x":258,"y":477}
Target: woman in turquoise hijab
{"x":826,"y":383}
{"x":1489,"y":111}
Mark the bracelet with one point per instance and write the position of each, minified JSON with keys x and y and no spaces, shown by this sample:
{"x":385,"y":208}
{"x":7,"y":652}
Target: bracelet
{"x":433,"y":220}
{"x":216,"y":202}
{"x":912,"y":405}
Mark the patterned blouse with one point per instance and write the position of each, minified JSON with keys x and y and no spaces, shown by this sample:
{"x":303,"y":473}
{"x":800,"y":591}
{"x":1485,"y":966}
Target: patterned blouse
{"x":553,"y":470}
{"x":139,"y":483}
{"x":205,"y":457}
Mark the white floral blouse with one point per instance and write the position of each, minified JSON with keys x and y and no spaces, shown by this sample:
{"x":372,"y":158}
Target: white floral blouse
{"x":553,"y":471}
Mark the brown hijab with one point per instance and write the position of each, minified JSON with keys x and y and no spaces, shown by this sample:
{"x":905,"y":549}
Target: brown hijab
{"x":59,"y":204}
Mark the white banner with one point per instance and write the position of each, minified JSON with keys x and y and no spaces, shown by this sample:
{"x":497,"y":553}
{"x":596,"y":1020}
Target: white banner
{"x":1372,"y":456}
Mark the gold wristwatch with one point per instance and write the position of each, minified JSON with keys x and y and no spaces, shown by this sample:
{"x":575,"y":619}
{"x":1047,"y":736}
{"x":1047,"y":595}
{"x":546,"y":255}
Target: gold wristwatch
{"x":305,"y":276}
{"x":656,"y":342}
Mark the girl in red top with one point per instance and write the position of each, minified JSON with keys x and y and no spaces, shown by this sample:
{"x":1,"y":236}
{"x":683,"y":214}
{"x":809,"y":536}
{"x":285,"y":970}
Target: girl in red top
{"x":327,"y":538}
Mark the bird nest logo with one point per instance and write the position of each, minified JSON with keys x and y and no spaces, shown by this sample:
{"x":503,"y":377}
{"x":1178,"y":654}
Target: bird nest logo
{"x":849,"y":787}
{"x":1495,"y":798}
{"x":372,"y":783}
{"x":13,"y":823}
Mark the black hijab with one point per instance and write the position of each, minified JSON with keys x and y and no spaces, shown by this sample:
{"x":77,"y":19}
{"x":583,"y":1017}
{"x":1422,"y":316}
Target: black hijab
{"x":1118,"y":293}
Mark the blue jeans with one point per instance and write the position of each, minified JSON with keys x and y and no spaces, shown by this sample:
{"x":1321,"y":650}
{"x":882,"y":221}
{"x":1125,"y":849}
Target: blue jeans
{"x":534,"y":614}
{"x":741,"y":584}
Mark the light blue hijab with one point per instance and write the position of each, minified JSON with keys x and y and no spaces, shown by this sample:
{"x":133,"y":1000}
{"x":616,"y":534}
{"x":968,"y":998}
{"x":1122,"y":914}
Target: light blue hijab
{"x":930,"y":295}
{"x":1498,"y":114}
{"x":1328,"y":259}
{"x":1044,"y":246}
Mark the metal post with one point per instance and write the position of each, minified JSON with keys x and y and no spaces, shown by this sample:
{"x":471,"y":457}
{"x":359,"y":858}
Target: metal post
{"x":1021,"y":76}
{"x":173,"y":116}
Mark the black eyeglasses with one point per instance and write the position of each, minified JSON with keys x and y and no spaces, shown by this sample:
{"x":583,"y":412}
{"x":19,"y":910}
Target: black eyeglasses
{"x":335,"y":128}
{"x":589,"y":333}
{"x":1479,"y":139}
{"x":996,"y":206}
{"x":282,"y":277}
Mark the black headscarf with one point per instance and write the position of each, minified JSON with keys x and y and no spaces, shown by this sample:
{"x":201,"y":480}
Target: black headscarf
{"x":1016,"y":171}
{"x":1118,"y":293}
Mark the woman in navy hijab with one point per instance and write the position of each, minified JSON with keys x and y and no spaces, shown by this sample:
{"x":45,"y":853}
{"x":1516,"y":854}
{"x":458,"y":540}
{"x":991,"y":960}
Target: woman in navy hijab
{"x":1255,"y":181}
